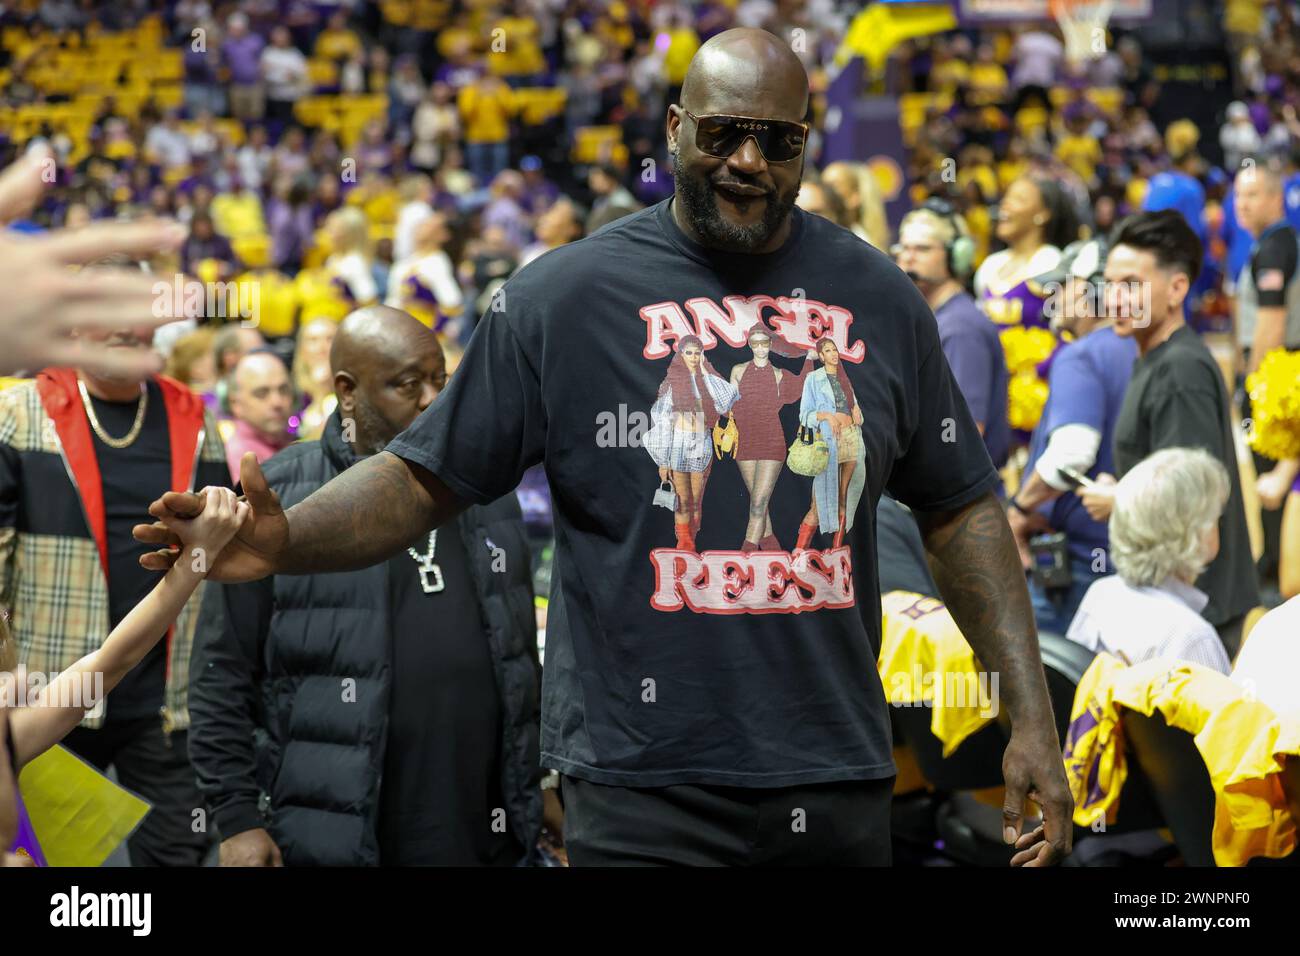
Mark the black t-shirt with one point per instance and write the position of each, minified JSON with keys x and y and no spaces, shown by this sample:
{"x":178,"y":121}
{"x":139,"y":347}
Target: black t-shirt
{"x":442,"y":771}
{"x":131,"y":479}
{"x":1177,"y":398}
{"x":1273,"y":265}
{"x":712,"y":665}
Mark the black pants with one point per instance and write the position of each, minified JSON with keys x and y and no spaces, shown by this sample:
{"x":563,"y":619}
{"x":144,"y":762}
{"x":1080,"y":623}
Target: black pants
{"x":157,"y":767}
{"x":833,"y":824}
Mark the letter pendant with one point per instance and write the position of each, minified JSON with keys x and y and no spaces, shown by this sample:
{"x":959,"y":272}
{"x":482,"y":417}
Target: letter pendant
{"x":428,"y":568}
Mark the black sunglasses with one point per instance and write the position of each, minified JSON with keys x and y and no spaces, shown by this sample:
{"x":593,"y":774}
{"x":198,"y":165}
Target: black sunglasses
{"x":720,"y":135}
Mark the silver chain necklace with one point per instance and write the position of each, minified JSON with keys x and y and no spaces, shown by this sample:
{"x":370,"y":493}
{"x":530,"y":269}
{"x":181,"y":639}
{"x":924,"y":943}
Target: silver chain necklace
{"x":427,"y":567}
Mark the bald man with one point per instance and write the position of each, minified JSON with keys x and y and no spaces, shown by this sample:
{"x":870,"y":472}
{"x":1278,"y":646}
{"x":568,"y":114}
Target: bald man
{"x":397,"y":703}
{"x":707,"y":704}
{"x":1268,"y":289}
{"x":260,"y":395}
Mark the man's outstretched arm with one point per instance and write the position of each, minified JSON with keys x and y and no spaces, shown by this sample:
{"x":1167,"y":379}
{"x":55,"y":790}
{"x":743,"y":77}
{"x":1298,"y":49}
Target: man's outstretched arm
{"x":365,"y":515}
{"x":362,"y":516}
{"x":974,"y":560}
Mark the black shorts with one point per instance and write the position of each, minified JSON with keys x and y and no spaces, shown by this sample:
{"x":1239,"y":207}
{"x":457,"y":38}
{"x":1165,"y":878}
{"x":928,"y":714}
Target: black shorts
{"x":831,"y":824}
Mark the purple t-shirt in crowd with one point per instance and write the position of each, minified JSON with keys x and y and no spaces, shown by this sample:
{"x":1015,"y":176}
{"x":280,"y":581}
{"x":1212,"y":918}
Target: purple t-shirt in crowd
{"x":1087,"y":385}
{"x":974,"y":352}
{"x":243,"y":56}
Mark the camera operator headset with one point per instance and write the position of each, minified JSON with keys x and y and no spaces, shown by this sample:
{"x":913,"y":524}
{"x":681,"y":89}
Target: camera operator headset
{"x":936,"y":220}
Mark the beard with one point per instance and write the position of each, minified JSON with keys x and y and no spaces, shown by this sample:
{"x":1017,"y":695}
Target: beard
{"x":374,"y":432}
{"x":700,"y":203}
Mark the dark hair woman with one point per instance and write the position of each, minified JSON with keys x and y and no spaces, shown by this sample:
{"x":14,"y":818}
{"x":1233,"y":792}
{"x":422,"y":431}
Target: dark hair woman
{"x":691,"y":399}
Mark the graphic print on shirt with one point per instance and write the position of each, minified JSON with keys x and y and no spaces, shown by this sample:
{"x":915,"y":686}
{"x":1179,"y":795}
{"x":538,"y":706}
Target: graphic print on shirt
{"x":687,"y":439}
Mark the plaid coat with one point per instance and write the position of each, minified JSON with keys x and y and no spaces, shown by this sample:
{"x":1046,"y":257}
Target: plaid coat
{"x":53,"y":528}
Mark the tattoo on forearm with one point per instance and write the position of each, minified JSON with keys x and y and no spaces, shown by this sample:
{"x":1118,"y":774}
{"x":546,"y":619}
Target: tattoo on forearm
{"x":361,"y":517}
{"x":974,"y":561}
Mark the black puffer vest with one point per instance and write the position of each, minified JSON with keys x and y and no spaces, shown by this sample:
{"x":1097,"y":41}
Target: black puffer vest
{"x":323,"y":756}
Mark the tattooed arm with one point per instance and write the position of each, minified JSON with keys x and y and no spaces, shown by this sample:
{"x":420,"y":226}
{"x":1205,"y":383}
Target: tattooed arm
{"x":367,"y":514}
{"x":362,"y":516}
{"x":975,"y":563}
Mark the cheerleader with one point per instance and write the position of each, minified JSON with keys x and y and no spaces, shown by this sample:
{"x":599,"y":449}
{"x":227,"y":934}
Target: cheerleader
{"x":1036,"y":220}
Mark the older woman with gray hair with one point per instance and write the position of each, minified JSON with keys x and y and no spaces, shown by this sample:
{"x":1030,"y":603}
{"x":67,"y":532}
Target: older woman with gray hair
{"x":1164,"y":530}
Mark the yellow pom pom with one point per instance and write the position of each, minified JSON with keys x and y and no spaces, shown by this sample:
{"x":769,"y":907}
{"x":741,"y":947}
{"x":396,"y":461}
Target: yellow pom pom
{"x":1025,"y":348}
{"x":1026,"y":396}
{"x":1274,"y":429}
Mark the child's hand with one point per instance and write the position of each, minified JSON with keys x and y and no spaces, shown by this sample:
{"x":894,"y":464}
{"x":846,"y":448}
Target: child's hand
{"x":204,"y":536}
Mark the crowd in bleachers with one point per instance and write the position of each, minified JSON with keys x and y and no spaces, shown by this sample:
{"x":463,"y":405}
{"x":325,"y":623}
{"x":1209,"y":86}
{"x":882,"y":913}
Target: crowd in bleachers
{"x":325,"y":157}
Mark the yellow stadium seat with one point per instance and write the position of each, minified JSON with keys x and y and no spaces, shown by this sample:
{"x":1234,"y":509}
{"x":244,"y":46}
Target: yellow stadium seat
{"x":232,"y":129}
{"x":311,"y":110}
{"x":322,"y":72}
{"x":539,"y":104}
{"x":169,"y":97}
{"x":124,"y":149}
{"x":1109,"y":99}
{"x":173,"y":175}
{"x":254,"y":251}
{"x":591,"y":143}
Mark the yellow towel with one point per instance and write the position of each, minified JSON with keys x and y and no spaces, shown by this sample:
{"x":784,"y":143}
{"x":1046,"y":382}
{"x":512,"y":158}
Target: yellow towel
{"x":924,"y":660}
{"x":78,"y":814}
{"x":1241,"y":741}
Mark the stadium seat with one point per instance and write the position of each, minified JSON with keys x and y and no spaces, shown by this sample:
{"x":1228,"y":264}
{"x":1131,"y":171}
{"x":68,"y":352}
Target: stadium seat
{"x":1064,"y":662}
{"x":1179,"y":783}
{"x":960,"y":825}
{"x":975,"y":765}
{"x":591,"y":143}
{"x":538,"y":105}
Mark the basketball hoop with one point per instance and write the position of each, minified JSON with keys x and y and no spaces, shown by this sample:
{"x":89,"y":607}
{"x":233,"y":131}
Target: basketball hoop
{"x":1083,"y":24}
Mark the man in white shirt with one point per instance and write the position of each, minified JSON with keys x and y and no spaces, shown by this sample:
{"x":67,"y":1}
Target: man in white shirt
{"x":417,"y":195}
{"x":1038,"y":57}
{"x":1238,"y":136}
{"x":167,"y":142}
{"x":1269,"y":662}
{"x":1164,"y":530}
{"x":284,"y":70}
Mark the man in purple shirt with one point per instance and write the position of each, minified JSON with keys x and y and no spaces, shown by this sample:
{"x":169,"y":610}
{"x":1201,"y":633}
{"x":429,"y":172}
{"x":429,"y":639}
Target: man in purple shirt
{"x":1075,"y":434}
{"x":935,"y":250}
{"x":503,"y":209}
{"x":242,"y":55}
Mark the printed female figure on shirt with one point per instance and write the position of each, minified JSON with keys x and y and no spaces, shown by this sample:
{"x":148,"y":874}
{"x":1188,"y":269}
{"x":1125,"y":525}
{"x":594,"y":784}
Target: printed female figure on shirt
{"x":830,"y":406}
{"x":691,"y":399}
{"x":761,"y":445}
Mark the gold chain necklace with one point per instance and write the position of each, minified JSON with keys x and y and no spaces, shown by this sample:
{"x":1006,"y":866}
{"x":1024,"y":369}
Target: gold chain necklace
{"x":104,"y":436}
